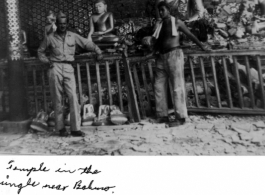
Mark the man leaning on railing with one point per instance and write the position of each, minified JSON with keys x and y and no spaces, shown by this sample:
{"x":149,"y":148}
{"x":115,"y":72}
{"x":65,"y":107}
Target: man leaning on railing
{"x":170,"y":64}
{"x":62,"y":45}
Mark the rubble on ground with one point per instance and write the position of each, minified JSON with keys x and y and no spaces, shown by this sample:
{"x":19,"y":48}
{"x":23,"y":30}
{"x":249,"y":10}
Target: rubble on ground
{"x":201,"y":135}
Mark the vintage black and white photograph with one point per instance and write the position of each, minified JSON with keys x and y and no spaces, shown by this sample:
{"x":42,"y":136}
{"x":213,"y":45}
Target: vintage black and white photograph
{"x":132,"y":77}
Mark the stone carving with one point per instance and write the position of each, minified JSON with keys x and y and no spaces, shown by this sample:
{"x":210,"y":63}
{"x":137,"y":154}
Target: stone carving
{"x":102,"y":25}
{"x":13,"y":29}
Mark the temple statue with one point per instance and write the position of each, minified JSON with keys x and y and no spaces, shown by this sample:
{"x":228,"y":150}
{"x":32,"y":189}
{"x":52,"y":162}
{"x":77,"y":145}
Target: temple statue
{"x":24,"y":43}
{"x":51,"y":27}
{"x":102,"y":25}
{"x":23,"y":39}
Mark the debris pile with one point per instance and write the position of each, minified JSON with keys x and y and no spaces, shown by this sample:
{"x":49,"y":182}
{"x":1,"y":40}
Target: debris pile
{"x":236,"y":26}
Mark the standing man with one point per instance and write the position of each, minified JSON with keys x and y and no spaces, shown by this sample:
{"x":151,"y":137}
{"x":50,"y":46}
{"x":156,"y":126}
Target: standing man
{"x":170,"y":64}
{"x":62,"y":45}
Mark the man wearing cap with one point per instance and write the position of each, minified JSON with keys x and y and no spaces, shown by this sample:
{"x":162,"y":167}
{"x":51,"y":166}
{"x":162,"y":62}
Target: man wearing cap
{"x":62,"y":45}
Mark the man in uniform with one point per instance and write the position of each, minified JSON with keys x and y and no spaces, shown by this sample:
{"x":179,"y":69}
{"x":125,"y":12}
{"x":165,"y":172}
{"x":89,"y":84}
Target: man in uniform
{"x":170,"y":64}
{"x":62,"y":45}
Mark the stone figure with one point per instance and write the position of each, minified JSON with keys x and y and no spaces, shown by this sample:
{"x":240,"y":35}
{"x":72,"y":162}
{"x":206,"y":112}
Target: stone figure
{"x":24,"y":41}
{"x":102,"y":25}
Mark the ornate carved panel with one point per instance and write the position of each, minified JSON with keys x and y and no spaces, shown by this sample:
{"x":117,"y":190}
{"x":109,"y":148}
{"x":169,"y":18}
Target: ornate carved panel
{"x":13,"y":29}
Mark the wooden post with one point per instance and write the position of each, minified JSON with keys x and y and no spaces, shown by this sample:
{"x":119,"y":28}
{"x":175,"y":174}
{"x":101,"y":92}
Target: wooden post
{"x":17,"y":90}
{"x":241,"y":103}
{"x":99,"y":84}
{"x":140,"y":95}
{"x":216,"y":86}
{"x":109,"y":83}
{"x":250,"y":88}
{"x":262,"y":91}
{"x":205,"y":83}
{"x":131,"y":91}
{"x":230,"y":103}
{"x":194,"y":83}
{"x":89,"y":83}
{"x":119,"y":85}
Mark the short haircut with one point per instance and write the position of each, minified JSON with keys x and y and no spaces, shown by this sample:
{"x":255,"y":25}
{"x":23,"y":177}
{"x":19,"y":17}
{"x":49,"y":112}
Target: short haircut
{"x":51,"y":14}
{"x":62,"y":17}
{"x":163,"y":3}
{"x":100,"y":1}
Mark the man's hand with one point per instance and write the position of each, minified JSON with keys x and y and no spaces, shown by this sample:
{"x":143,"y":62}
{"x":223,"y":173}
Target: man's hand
{"x":50,"y":64}
{"x":147,"y":40}
{"x":99,"y":57}
{"x":206,"y":48}
{"x":150,"y":55}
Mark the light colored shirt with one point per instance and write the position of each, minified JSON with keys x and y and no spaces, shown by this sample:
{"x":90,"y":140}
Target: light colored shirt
{"x":64,"y":49}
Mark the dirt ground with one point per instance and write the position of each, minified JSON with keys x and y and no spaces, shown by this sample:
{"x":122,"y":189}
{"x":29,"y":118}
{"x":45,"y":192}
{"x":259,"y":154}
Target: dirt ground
{"x":201,"y":135}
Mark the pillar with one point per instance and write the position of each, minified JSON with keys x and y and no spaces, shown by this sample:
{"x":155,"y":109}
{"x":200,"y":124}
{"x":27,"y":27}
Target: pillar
{"x":17,"y":89}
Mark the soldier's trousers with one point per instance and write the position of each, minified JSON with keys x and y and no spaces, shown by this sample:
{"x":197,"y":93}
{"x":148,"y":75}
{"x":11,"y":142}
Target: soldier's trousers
{"x":62,"y":78}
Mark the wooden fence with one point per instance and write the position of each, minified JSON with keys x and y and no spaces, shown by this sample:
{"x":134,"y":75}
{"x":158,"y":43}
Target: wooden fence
{"x":229,"y":82}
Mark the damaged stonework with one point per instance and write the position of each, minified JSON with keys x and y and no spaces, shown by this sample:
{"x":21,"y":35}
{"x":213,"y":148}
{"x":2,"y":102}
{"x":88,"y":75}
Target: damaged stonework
{"x":202,"y":135}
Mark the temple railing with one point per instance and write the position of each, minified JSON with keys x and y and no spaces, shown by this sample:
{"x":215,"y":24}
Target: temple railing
{"x":237,"y":78}
{"x":216,"y":82}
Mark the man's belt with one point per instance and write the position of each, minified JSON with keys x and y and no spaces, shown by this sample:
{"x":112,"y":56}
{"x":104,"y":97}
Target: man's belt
{"x":63,"y":62}
{"x":163,"y":51}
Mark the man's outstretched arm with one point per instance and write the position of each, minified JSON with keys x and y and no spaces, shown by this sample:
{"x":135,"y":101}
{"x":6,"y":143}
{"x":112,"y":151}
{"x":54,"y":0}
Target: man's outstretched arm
{"x":88,"y":45}
{"x":185,"y":30}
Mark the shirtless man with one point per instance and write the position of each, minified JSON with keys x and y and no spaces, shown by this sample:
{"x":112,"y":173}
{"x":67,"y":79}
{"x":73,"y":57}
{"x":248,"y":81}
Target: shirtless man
{"x":170,"y":64}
